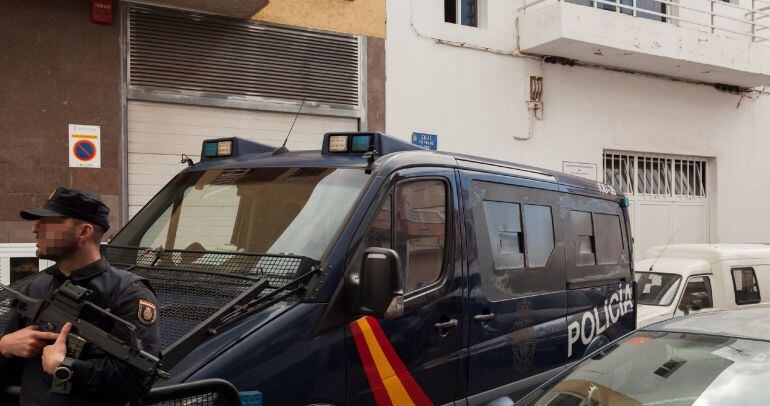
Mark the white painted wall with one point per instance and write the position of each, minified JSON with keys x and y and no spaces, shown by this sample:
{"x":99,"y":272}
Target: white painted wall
{"x":608,"y":38}
{"x":475,"y":101}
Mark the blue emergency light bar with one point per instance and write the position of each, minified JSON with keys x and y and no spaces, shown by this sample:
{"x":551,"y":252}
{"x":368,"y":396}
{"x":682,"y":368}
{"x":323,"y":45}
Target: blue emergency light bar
{"x":360,"y":143}
{"x":231,"y":147}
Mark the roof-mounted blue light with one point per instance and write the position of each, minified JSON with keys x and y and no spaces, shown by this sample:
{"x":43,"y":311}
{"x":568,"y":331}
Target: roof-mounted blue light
{"x":624,"y":202}
{"x":360,"y":143}
{"x":231,"y":147}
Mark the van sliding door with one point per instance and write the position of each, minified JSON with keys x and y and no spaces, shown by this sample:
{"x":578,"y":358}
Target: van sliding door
{"x":599,"y":285}
{"x":517,"y":284}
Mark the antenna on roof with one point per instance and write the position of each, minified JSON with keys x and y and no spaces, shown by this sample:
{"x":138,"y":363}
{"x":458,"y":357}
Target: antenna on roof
{"x":282,"y":149}
{"x":663,"y":250}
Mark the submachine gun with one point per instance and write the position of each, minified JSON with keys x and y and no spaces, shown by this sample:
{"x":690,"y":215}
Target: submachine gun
{"x":66,"y":305}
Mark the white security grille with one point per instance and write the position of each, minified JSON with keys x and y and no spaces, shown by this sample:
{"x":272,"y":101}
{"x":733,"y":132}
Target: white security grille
{"x":618,"y":170}
{"x":689,"y":177}
{"x":655,"y":175}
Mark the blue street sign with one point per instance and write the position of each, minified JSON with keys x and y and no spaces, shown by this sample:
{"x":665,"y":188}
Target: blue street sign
{"x":427,"y":141}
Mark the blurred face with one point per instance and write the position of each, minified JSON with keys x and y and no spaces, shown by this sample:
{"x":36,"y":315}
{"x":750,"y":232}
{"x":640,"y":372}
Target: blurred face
{"x":56,"y":237}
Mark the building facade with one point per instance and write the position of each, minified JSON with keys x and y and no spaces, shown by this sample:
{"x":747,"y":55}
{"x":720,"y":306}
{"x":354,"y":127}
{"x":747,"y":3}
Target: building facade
{"x":664,"y":103}
{"x":159,"y":77}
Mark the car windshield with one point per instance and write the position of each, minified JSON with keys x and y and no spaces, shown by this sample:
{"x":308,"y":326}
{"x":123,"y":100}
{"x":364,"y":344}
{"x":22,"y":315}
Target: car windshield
{"x":660,"y":368}
{"x":260,"y":210}
{"x":657,"y":289}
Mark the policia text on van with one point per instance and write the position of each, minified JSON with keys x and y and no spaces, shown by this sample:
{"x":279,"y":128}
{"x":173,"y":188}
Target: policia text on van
{"x":377,"y":272}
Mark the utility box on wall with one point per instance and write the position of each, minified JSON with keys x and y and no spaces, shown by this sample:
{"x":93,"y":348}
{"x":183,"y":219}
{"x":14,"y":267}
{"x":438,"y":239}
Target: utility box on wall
{"x":17,"y":261}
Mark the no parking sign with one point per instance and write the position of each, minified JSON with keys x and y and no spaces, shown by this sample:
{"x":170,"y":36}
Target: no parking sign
{"x":85,"y":146}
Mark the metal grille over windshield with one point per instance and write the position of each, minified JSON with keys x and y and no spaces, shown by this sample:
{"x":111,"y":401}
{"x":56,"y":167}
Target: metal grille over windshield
{"x":193,"y":285}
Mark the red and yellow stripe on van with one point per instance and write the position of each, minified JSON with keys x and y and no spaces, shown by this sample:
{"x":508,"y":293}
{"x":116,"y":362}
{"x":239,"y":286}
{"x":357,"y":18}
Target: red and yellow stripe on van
{"x":390,"y":381}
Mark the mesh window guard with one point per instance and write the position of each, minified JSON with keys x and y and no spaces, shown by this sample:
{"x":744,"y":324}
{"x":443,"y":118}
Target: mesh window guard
{"x":191,"y":286}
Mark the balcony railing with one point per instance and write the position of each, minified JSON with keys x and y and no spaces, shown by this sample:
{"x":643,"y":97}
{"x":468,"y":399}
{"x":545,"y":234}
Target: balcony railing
{"x":747,"y":19}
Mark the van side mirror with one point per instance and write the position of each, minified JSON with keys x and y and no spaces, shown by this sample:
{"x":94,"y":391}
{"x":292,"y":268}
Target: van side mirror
{"x":694,"y":305}
{"x":381,"y":287}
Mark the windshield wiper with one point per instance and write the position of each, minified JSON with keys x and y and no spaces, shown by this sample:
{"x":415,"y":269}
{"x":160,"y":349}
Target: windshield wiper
{"x":296,"y":286}
{"x":223,"y":286}
{"x":180,"y":348}
{"x":250,"y":302}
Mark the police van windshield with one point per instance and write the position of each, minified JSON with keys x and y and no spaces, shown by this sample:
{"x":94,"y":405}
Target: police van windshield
{"x":259,"y":210}
{"x":657,"y":289}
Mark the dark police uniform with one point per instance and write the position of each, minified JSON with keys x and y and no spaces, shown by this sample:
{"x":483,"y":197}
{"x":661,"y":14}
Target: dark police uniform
{"x":98,"y":379}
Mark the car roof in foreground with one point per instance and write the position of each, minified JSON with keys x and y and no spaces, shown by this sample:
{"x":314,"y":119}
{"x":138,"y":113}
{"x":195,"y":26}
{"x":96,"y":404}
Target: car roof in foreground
{"x":753,"y":324}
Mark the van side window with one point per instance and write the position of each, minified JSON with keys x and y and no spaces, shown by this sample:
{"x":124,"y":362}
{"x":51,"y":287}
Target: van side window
{"x":420,"y":222}
{"x":510,"y":248}
{"x":380,"y":231}
{"x":505,"y":237}
{"x":583,"y":227}
{"x":609,"y":242}
{"x":599,"y":239}
{"x":697,"y":288}
{"x":746,"y":288}
{"x":538,"y":229}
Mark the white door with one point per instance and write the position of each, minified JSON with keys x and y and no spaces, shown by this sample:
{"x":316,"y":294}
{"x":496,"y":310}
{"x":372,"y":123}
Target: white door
{"x":669,"y":201}
{"x":158,"y":133}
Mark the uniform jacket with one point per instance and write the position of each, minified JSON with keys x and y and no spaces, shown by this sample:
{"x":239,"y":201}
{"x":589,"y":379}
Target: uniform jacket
{"x":98,"y":379}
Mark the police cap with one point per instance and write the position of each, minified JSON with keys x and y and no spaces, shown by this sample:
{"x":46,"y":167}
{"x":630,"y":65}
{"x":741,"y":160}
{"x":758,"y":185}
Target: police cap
{"x":74,"y":203}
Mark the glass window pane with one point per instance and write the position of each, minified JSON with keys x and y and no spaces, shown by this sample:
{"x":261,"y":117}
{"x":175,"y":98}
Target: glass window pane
{"x":609,"y":242}
{"x":259,"y":210}
{"x":469,"y":12}
{"x":379,"y":232}
{"x":657,"y":289}
{"x":450,"y":11}
{"x":504,"y":226}
{"x":22,"y":267}
{"x":583,"y":235}
{"x":697,"y":288}
{"x":157,"y":234}
{"x":538,"y":224}
{"x":582,"y":2}
{"x":421,"y":231}
{"x":651,"y":5}
{"x":746,"y":289}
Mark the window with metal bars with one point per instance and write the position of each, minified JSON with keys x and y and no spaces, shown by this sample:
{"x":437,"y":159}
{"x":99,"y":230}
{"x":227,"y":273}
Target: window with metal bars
{"x":655,"y":175}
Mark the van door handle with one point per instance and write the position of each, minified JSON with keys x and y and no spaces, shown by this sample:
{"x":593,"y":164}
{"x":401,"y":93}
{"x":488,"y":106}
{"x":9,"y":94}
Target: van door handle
{"x":446,"y":325}
{"x":484,"y":317}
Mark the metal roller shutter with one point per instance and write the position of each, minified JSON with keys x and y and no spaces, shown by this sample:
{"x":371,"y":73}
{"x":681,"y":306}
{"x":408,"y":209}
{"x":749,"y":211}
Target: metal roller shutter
{"x":159,"y":132}
{"x":209,"y":54}
{"x":204,"y":60}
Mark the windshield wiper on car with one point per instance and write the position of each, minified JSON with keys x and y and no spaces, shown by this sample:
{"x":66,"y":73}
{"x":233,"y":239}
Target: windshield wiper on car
{"x":297,"y":286}
{"x":201,"y":291}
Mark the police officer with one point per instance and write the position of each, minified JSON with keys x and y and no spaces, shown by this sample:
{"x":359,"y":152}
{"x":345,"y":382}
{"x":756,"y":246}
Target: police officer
{"x":69,"y":228}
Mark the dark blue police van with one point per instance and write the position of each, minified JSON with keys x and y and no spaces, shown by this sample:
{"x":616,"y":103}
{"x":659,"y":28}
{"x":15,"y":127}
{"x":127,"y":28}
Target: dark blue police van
{"x":376,"y":272}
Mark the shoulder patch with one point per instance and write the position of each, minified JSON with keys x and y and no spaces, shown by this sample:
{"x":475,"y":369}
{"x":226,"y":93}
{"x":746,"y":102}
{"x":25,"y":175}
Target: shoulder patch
{"x":148,"y":313}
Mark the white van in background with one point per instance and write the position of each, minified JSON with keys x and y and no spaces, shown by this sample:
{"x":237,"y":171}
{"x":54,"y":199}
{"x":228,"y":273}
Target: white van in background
{"x":680,"y":279}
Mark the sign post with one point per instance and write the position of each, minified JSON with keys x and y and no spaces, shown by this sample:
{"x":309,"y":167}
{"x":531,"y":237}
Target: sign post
{"x":85,"y":146}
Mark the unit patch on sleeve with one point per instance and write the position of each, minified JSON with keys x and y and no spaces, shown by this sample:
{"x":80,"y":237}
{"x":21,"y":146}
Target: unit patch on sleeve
{"x":148,"y":313}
